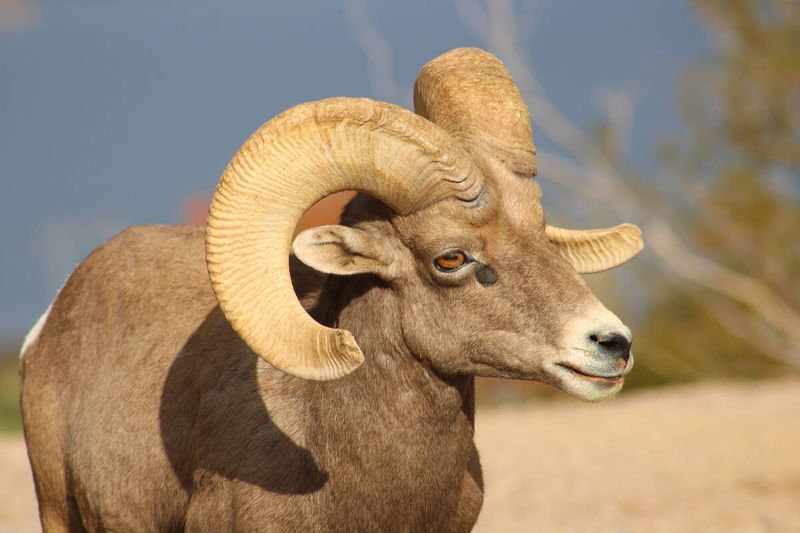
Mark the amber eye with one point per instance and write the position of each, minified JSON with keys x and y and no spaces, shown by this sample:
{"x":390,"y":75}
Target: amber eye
{"x":450,"y":261}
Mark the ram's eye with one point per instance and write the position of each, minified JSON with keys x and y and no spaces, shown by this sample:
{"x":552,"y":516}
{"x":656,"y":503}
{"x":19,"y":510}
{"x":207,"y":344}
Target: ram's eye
{"x":450,"y":261}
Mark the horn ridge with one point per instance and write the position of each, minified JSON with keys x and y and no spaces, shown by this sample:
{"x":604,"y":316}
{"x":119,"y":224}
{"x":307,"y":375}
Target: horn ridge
{"x":470,"y":93}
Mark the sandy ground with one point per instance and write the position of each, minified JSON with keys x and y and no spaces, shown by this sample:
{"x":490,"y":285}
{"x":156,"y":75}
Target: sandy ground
{"x":706,"y":458}
{"x":17,"y":499}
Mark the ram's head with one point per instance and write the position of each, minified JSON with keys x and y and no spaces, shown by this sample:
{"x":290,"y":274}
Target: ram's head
{"x":453,"y":225}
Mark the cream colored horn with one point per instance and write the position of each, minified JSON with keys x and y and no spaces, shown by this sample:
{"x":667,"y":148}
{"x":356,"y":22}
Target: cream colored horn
{"x":470,"y":93}
{"x":595,"y":250}
{"x":292,"y":161}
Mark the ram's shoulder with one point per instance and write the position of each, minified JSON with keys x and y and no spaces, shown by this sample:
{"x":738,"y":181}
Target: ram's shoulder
{"x":142,"y":262}
{"x":156,"y":236}
{"x":153,"y":246}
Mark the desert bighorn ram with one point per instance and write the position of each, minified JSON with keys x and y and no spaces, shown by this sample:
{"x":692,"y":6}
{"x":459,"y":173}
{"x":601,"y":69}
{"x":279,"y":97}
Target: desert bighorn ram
{"x":204,"y":379}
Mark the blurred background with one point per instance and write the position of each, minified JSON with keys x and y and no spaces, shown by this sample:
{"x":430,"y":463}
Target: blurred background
{"x":682,"y":117}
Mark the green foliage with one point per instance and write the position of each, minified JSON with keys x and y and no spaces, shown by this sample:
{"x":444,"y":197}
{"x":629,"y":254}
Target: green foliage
{"x":10,"y":421}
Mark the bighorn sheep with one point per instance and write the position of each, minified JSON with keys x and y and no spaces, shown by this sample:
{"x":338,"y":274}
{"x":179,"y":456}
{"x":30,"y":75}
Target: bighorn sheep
{"x":168,"y":392}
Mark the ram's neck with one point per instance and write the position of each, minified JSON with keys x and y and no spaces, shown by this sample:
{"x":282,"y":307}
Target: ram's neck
{"x":391,"y":372}
{"x":394,"y":428}
{"x":394,"y":436}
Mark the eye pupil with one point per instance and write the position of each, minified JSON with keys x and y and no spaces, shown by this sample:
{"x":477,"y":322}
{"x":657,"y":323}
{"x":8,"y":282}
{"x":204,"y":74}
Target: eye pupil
{"x":450,"y":261}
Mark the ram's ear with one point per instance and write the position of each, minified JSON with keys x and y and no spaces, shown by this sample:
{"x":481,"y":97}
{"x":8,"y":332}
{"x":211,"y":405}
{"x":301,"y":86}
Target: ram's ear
{"x":341,"y":250}
{"x":595,"y":250}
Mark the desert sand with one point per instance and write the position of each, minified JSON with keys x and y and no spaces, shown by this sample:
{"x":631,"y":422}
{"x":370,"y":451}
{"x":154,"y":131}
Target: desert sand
{"x":705,"y":458}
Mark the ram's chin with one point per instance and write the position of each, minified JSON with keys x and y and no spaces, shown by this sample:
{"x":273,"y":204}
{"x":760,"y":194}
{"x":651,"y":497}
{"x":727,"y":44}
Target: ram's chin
{"x":585,"y":387}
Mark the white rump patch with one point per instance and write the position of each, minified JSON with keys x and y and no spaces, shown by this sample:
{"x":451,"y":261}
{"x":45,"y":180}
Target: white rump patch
{"x":33,"y":334}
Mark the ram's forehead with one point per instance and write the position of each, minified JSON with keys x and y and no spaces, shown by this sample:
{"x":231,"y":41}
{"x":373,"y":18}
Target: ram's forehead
{"x":508,"y":199}
{"x":521,"y":200}
{"x":508,"y":208}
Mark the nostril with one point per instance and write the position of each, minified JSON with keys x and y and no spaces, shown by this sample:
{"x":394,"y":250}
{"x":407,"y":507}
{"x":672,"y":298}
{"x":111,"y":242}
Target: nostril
{"x":613,"y":345}
{"x":615,"y":342}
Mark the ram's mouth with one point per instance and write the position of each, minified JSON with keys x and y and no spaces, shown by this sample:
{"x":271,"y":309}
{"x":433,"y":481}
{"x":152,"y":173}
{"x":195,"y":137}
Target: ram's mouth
{"x":610,"y":380}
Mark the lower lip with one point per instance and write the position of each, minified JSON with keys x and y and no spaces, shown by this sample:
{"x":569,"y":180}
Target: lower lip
{"x":594,"y":379}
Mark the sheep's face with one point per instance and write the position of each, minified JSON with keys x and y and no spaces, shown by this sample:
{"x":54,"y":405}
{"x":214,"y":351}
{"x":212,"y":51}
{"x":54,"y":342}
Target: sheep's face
{"x":481,"y":289}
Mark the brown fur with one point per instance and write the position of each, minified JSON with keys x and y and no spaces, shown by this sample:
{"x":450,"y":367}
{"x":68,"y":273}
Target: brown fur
{"x":145,"y":411}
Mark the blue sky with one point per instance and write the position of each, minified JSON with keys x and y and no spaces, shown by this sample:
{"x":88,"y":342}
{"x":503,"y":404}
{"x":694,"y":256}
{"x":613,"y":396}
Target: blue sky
{"x":113,"y":113}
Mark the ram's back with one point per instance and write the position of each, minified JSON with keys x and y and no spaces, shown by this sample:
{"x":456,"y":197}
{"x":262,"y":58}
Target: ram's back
{"x":105,"y":435}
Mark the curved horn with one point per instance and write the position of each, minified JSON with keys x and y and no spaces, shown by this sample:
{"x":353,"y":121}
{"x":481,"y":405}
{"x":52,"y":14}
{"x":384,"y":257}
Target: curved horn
{"x":470,"y":93}
{"x":289,"y":163}
{"x":595,"y":250}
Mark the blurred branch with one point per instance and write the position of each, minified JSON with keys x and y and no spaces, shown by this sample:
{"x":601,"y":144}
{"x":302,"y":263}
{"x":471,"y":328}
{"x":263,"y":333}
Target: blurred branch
{"x":380,"y":59}
{"x":619,"y":109}
{"x":666,"y":365}
{"x":754,"y":334}
{"x":736,"y":286}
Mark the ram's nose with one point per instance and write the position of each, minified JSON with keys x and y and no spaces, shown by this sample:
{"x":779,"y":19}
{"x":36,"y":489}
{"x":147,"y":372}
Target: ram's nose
{"x":612,"y":346}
